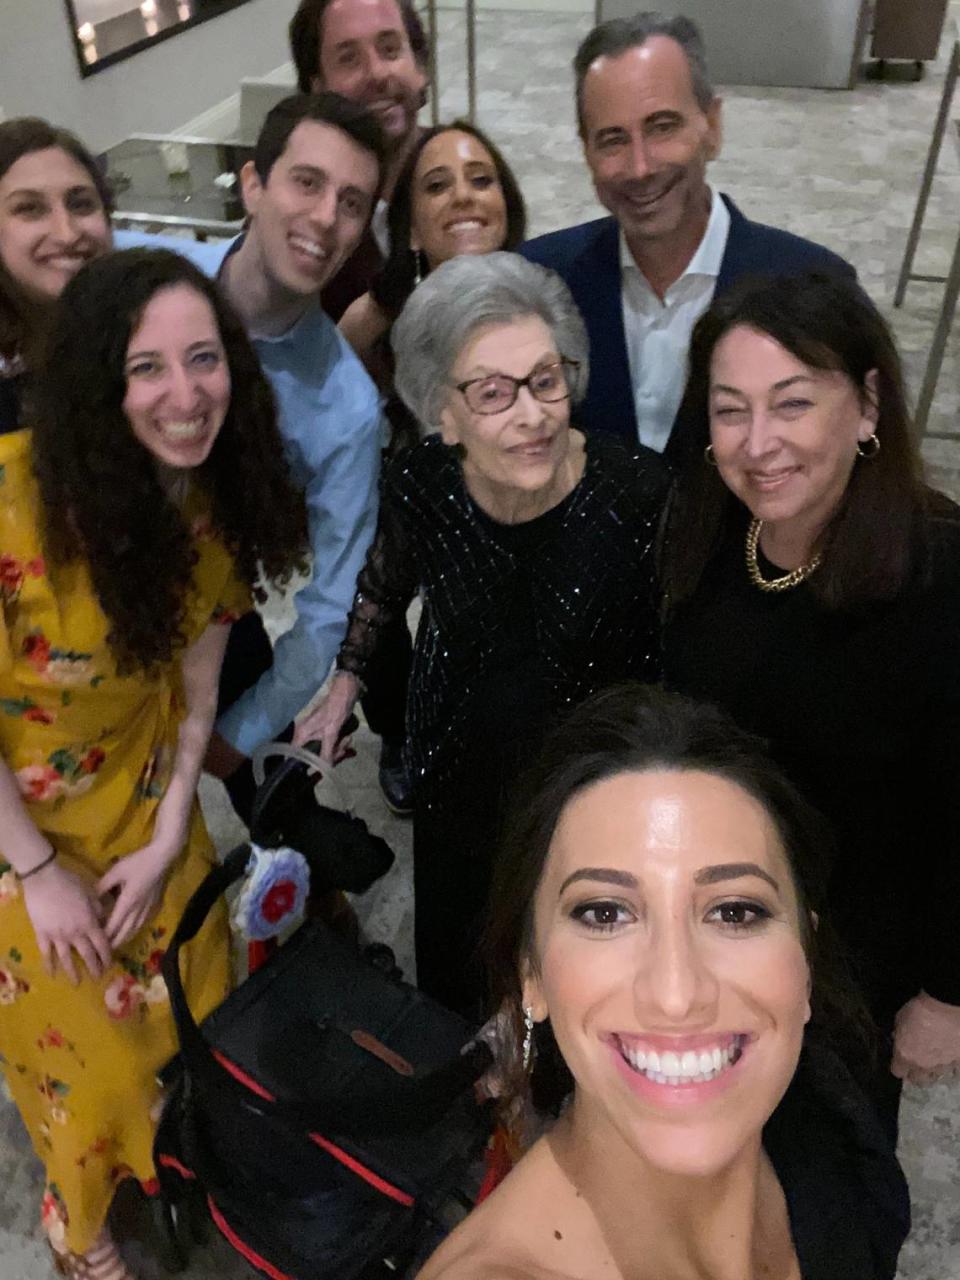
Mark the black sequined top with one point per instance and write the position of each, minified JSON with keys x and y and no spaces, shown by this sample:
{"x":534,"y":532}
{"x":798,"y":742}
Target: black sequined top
{"x":550,"y":610}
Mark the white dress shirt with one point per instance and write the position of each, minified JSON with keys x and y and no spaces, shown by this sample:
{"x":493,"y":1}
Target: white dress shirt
{"x":658,"y":333}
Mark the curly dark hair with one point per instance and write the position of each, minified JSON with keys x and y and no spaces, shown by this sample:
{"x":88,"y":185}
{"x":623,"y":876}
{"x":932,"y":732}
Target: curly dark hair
{"x":22,"y":321}
{"x":101,"y":494}
{"x":397,"y":278}
{"x":633,"y":728}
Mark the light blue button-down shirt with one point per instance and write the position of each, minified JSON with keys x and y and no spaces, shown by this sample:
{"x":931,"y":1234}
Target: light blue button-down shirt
{"x":333,"y":429}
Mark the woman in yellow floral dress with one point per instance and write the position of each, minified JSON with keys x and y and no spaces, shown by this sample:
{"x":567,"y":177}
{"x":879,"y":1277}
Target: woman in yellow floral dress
{"x":133,"y":519}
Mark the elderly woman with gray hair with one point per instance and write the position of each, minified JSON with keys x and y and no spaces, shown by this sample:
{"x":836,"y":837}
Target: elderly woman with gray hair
{"x":532,"y":549}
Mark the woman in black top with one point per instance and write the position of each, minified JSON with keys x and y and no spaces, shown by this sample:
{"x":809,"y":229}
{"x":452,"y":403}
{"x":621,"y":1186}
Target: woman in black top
{"x":815,"y":594}
{"x":531,"y":548}
{"x":654,"y":941}
{"x":455,"y":194}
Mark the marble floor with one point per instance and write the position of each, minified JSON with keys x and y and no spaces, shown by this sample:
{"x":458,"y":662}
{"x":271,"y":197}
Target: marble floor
{"x":841,"y":168}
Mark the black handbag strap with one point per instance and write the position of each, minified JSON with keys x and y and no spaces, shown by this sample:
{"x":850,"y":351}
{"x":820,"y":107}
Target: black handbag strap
{"x":393,"y":1106}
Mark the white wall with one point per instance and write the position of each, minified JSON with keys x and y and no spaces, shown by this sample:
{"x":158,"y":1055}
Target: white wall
{"x":153,"y":92}
{"x":770,"y":42}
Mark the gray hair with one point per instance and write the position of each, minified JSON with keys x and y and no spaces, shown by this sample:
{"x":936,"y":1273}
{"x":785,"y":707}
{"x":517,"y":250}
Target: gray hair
{"x":618,"y":35}
{"x":468,"y":293}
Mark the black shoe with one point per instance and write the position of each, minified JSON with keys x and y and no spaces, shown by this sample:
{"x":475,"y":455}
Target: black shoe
{"x":394,"y":782}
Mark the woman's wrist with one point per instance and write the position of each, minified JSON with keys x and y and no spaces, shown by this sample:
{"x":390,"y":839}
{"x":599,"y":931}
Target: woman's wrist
{"x":38,"y":867}
{"x":348,"y":686}
{"x":169,"y":837}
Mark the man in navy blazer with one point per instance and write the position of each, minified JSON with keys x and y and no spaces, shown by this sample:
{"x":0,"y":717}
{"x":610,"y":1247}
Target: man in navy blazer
{"x":650,"y":123}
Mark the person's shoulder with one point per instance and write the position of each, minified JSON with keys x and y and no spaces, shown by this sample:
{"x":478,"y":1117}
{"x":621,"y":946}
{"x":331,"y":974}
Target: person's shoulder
{"x":423,"y":467}
{"x":639,"y":469}
{"x":208,"y":255}
{"x":561,"y":249}
{"x":780,"y":250}
{"x":19,"y":496}
{"x":349,"y":367}
{"x":15,"y":452}
{"x":477,"y":1265}
{"x":340,"y":379}
{"x":506,"y":1236}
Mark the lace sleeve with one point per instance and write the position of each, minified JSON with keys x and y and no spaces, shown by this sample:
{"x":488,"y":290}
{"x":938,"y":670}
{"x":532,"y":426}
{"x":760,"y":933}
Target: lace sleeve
{"x":385,"y":587}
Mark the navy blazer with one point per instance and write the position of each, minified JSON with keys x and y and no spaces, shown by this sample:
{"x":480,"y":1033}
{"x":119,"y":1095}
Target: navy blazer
{"x":587,"y":257}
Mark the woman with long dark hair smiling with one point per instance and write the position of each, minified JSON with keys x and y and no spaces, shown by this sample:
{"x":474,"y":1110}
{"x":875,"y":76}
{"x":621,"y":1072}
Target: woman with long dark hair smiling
{"x":814,"y":588}
{"x":54,"y":217}
{"x":455,"y":194}
{"x":668,"y":992}
{"x":135,"y":518}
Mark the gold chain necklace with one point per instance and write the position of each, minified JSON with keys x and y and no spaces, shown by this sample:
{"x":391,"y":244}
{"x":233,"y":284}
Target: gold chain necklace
{"x":791,"y":579}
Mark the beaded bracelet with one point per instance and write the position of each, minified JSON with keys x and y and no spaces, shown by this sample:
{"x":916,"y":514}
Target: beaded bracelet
{"x":25,"y":875}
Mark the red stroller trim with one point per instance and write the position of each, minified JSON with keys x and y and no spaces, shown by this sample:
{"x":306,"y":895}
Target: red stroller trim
{"x":243,"y":1249}
{"x":361,"y":1170}
{"x":348,"y":1161}
{"x":238,"y":1073}
{"x":171,"y":1162}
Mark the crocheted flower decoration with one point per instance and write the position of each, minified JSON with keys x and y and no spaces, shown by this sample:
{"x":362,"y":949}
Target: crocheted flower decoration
{"x":273,"y":895}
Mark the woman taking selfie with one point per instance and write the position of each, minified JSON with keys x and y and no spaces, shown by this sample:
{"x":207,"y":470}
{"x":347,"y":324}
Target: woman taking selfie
{"x":652,"y":934}
{"x":815,"y":595}
{"x":133,"y":521}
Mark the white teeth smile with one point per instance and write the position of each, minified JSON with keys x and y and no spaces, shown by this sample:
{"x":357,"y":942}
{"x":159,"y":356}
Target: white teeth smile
{"x":183,"y":431}
{"x":466,"y":224}
{"x":691,"y":1067}
{"x":309,"y":246}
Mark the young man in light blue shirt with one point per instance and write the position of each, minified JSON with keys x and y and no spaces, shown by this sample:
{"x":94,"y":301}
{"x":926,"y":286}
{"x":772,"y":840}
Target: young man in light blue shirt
{"x":309,"y":192}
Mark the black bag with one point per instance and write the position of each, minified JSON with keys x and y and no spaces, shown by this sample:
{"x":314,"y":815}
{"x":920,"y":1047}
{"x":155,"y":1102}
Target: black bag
{"x":324,"y":1111}
{"x":341,"y":851}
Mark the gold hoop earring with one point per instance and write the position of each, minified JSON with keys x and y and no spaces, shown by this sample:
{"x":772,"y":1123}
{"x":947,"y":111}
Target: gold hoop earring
{"x":708,"y":457}
{"x":874,"y":443}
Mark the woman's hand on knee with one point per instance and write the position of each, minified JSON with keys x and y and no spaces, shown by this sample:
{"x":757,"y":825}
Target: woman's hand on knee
{"x":66,"y":915}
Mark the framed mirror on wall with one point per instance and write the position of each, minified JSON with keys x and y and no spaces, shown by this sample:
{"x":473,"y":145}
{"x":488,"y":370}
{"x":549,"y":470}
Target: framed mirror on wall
{"x":107,"y":31}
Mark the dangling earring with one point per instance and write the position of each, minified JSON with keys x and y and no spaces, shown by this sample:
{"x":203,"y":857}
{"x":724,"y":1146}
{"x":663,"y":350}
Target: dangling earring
{"x":527,"y":1053}
{"x":874,"y":442}
{"x":417,"y":271}
{"x":708,"y":457}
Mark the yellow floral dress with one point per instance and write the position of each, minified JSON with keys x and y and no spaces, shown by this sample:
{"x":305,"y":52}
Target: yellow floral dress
{"x":92,"y":752}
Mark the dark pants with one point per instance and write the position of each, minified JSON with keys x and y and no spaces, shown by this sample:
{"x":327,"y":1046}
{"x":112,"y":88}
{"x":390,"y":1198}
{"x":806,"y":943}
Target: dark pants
{"x":385,"y":701}
{"x":249,"y":654}
{"x":452,"y":857}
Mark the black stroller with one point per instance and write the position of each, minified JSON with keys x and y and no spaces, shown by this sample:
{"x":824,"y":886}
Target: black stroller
{"x":324,"y":1115}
